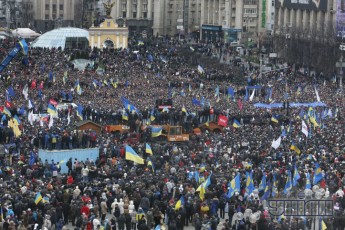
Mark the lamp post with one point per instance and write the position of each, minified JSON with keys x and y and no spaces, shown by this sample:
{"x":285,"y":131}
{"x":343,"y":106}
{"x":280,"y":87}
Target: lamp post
{"x":341,"y":65}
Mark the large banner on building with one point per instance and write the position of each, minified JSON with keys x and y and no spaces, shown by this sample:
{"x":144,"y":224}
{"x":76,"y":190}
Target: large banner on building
{"x":340,"y":18}
{"x":303,"y":4}
{"x":62,"y":156}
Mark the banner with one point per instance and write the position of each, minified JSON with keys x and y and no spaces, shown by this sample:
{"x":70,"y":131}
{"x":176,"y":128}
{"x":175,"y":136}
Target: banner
{"x":340,"y":18}
{"x":303,"y":4}
{"x":222,"y":120}
{"x":62,"y":156}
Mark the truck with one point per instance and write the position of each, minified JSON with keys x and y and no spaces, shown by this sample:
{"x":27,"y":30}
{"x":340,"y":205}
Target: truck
{"x":172,"y":133}
{"x":117,"y":129}
{"x":211,"y":126}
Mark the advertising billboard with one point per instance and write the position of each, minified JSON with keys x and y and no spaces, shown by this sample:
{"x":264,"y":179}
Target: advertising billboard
{"x":340,"y":18}
{"x":303,"y":4}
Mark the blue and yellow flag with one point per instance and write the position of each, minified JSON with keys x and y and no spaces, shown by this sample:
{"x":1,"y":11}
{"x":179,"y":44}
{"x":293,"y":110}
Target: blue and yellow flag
{"x":125,"y":116}
{"x":38,"y":198}
{"x":249,"y":183}
{"x":274,"y":186}
{"x":156,"y":131}
{"x":317,"y":174}
{"x":7,"y":112}
{"x":51,"y":109}
{"x":267,"y":191}
{"x":274,"y":119}
{"x":179,"y":203}
{"x":148,"y":149}
{"x":295,"y":148}
{"x":149,"y":163}
{"x":131,"y":155}
{"x":296,"y":176}
{"x":288,"y":185}
{"x":262,"y":184}
{"x":203,"y":186}
{"x":308,"y":184}
{"x":236,"y":124}
{"x":234,"y":186}
{"x":16,"y":120}
{"x":80,"y":110}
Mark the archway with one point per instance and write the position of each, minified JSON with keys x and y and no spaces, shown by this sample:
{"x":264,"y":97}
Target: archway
{"x":108,"y":44}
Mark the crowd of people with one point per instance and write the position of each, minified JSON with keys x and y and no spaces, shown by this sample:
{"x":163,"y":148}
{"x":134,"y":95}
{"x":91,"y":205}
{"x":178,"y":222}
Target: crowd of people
{"x":180,"y":184}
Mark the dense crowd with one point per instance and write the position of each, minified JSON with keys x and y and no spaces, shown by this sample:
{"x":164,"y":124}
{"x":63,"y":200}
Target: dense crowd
{"x":110,"y":192}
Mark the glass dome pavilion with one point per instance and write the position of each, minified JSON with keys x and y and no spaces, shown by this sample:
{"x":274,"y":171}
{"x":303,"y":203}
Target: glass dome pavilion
{"x":67,"y":37}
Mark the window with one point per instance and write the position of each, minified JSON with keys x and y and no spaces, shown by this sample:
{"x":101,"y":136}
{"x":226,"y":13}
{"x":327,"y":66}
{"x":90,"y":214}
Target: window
{"x":250,"y":11}
{"x":145,"y":7}
{"x":47,"y":7}
{"x":145,"y":15}
{"x":54,"y":7}
{"x":134,"y":7}
{"x":54,"y":16}
{"x":134,"y":14}
{"x":61,"y":16}
{"x":273,"y":2}
{"x":61,"y":7}
{"x":46,"y":17}
{"x":124,"y":14}
{"x":124,"y":7}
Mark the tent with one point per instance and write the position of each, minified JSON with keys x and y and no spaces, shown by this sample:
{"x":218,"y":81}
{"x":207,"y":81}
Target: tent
{"x":25,"y":33}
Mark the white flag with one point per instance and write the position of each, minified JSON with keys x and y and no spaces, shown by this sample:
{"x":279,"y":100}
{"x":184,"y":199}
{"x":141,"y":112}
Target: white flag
{"x":25,"y":91}
{"x":252,"y":96}
{"x":68,"y":118}
{"x":317,"y":94}
{"x":305,"y":129}
{"x":51,"y":122}
{"x":30,"y":118}
{"x":276,"y":143}
{"x":30,"y":105}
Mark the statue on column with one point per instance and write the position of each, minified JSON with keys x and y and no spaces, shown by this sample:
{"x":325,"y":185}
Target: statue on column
{"x":108,"y":7}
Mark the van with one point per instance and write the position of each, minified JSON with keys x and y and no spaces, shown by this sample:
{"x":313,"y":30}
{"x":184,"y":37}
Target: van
{"x":235,"y":43}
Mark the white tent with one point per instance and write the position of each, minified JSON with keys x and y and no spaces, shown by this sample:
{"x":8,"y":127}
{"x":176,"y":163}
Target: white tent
{"x":25,"y":33}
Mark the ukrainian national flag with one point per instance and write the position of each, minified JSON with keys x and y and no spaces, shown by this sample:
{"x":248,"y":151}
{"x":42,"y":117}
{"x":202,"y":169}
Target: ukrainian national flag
{"x":249,"y":183}
{"x":156,"y":131}
{"x":80,"y":110}
{"x":7,"y":112}
{"x":16,"y":120}
{"x":308,"y":184}
{"x":234,"y":186}
{"x":148,"y":149}
{"x":179,"y":203}
{"x":317,"y":174}
{"x":262,"y":184}
{"x":149,"y":163}
{"x":295,"y":148}
{"x":51,"y":110}
{"x":236,"y":124}
{"x":267,"y":193}
{"x":38,"y":198}
{"x":288,"y":185}
{"x":131,"y":155}
{"x":296,"y":176}
{"x":125,"y":116}
{"x":152,"y":115}
{"x":274,"y":119}
{"x":274,"y":186}
{"x":202,"y":187}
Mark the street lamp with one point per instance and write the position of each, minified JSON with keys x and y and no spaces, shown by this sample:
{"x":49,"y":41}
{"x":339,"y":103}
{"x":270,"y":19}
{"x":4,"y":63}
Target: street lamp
{"x":341,"y":65}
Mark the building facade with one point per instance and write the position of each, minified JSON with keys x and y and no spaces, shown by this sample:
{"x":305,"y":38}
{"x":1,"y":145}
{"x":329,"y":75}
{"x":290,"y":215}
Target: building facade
{"x":50,"y":14}
{"x":15,"y":13}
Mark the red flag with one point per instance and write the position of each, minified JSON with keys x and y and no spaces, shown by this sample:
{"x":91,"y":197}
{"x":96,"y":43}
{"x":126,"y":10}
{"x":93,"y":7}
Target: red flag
{"x":240,"y":105}
{"x":53,"y":102}
{"x":2,"y":108}
{"x":8,"y":104}
{"x":41,"y":85}
{"x":222,"y":120}
{"x":33,"y":84}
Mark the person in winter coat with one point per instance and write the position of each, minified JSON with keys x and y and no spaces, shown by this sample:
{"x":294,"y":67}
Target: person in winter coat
{"x":121,"y":221}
